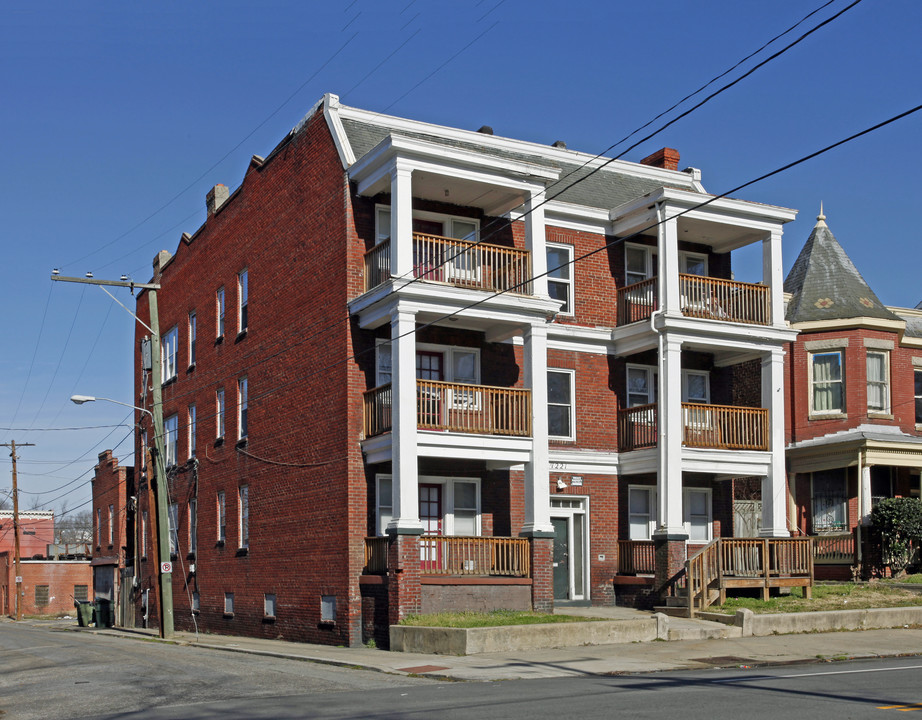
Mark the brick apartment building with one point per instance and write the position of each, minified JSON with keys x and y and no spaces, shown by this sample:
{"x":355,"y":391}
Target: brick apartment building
{"x":409,"y":367}
{"x":854,"y":382}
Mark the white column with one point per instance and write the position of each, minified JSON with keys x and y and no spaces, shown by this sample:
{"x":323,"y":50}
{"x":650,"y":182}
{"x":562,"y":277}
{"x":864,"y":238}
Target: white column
{"x":668,"y":261}
{"x":865,"y":495}
{"x":535,"y":242}
{"x":537,"y":469}
{"x":671,"y":520}
{"x":405,"y":475}
{"x":773,"y":274}
{"x":774,"y":485}
{"x":402,"y":223}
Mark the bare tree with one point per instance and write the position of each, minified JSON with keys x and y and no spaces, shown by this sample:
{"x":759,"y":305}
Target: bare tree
{"x":73,"y":527}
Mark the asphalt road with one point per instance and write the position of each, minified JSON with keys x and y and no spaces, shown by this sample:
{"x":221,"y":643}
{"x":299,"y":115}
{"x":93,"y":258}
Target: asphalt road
{"x":48,"y":674}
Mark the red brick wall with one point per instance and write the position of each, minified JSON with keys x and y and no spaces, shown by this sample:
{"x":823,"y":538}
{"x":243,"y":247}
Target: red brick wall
{"x":112,"y":485}
{"x":36,"y":532}
{"x":59,"y":575}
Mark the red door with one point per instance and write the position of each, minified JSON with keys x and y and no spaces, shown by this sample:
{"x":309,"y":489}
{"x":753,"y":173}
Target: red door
{"x":430,"y":514}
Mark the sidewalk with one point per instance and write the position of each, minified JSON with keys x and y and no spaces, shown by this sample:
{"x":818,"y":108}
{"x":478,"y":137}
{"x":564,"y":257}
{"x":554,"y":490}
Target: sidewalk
{"x":574,"y":661}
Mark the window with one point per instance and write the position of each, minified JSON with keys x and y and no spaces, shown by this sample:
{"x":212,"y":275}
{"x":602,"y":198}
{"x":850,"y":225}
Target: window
{"x":385,"y":504}
{"x":98,"y":527}
{"x":241,"y":408}
{"x":222,"y":517}
{"x":641,"y":513}
{"x":243,"y":509}
{"x":192,"y":338}
{"x":560,"y":275}
{"x":111,"y":524}
{"x":698,"y":514}
{"x":144,"y":533}
{"x":81,"y":593}
{"x":878,"y":364}
{"x":144,"y":448}
{"x":269,"y":605}
{"x":193,"y":525}
{"x":826,"y":382}
{"x":457,"y":500}
{"x":196,"y":601}
{"x":560,"y":403}
{"x":191,"y":430}
{"x":639,"y":263}
{"x":228,"y":603}
{"x":219,"y":413}
{"x":168,"y":351}
{"x":328,"y":608}
{"x":641,"y":385}
{"x":171,"y":437}
{"x":830,"y":502}
{"x":382,"y":224}
{"x":693,"y":264}
{"x":433,"y":362}
{"x":696,"y":387}
{"x":243,"y":295}
{"x":918,"y":395}
{"x":41,"y":595}
{"x":173,"y":522}
{"x":219,"y":303}
{"x":465,"y":509}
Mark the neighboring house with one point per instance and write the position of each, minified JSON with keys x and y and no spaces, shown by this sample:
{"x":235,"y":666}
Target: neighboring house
{"x":408,"y":367}
{"x":36,"y":532}
{"x":855,"y":384}
{"x":113,"y":537}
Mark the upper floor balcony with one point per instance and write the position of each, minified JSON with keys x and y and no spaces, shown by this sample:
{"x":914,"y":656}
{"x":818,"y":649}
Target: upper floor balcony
{"x":719,"y":427}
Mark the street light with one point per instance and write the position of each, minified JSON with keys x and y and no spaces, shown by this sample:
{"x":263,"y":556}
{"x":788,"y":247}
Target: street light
{"x":80,"y":399}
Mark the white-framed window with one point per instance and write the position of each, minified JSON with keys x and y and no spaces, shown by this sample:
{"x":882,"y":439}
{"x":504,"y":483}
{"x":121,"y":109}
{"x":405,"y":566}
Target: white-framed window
{"x":693,"y":264}
{"x":878,"y":364}
{"x":459,"y":500}
{"x":639,"y":263}
{"x":169,"y":354}
{"x":228,"y":603}
{"x":220,"y":311}
{"x":383,"y":362}
{"x":697,"y":511}
{"x":221,"y":515}
{"x":173,"y":522}
{"x":696,"y":386}
{"x":111,"y":524}
{"x":193,"y":525}
{"x":192,"y":327}
{"x":560,"y":275}
{"x":219,"y":413}
{"x":641,"y":385}
{"x":190,"y":428}
{"x":170,"y":439}
{"x":457,"y":364}
{"x":826,"y":383}
{"x":242,"y":408}
{"x":243,"y":517}
{"x":561,"y":422}
{"x":144,"y":533}
{"x":243,"y":299}
{"x":449,"y":226}
{"x":917,"y":392}
{"x":641,"y":511}
{"x":269,"y":605}
{"x":382,"y":223}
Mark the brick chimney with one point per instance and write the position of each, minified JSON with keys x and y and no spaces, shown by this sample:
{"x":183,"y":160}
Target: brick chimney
{"x":666,"y":158}
{"x":215,"y":198}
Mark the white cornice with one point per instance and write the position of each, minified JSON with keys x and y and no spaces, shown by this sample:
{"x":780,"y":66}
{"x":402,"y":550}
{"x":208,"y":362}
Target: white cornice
{"x":866,"y":323}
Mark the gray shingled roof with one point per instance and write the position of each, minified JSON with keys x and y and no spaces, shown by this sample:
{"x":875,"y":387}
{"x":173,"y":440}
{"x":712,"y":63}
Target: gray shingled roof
{"x":605,"y":189}
{"x":913,"y":325}
{"x":874,"y":433}
{"x":826,"y":285}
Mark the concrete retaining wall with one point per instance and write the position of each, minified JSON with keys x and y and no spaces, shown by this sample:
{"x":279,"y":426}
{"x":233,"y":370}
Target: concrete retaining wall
{"x":469,"y":641}
{"x":823,"y":621}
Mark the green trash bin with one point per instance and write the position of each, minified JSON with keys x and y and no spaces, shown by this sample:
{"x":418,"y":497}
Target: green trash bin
{"x":103,"y":613}
{"x":85,"y":612}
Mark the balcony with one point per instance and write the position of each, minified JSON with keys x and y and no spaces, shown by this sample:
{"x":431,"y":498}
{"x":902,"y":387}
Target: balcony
{"x":721,"y":427}
{"x":700,"y":297}
{"x":465,"y":556}
{"x":456,"y":408}
{"x":462,"y":263}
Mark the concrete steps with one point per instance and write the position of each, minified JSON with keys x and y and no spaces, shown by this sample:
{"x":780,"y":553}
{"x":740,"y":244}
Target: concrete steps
{"x":695,"y":629}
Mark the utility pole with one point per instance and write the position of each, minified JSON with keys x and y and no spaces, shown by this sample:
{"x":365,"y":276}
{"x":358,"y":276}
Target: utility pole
{"x":164,"y":566}
{"x":16,"y":559}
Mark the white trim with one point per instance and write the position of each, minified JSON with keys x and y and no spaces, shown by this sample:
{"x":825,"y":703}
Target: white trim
{"x":572,"y":405}
{"x":448,"y":500}
{"x":567,"y":513}
{"x":843,"y":407}
{"x":651,"y":372}
{"x":649,"y":266}
{"x":569,"y":281}
{"x":650,"y":491}
{"x":686,"y":512}
{"x":885,"y":354}
{"x":686,"y":374}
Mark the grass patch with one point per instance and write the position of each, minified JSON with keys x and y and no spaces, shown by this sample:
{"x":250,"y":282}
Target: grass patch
{"x":841,"y":596}
{"x":487,"y":619}
{"x":915,"y":579}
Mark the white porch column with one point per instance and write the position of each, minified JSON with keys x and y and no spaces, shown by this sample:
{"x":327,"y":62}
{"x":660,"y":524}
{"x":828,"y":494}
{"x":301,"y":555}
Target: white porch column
{"x":537,"y":470}
{"x":668,"y":261}
{"x":773,"y":274}
{"x":671,"y":521}
{"x":774,"y":485}
{"x":405,"y":474}
{"x":865,"y":495}
{"x":402,"y":223}
{"x":535,"y":242}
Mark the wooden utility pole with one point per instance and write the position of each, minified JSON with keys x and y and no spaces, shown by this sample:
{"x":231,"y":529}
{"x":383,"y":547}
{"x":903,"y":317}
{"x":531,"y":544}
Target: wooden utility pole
{"x":12,"y":445}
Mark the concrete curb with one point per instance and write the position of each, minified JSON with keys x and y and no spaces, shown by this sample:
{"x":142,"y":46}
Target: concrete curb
{"x":754,"y":625}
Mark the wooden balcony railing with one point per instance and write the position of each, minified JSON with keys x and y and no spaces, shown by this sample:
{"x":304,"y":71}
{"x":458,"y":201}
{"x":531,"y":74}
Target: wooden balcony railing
{"x":637,"y":427}
{"x":455,"y":407}
{"x":725,"y":427}
{"x":442,"y":555}
{"x":636,"y":302}
{"x":479,"y":266}
{"x":375,"y":555}
{"x":834,"y":549}
{"x":636,"y":557}
{"x":728,"y":300}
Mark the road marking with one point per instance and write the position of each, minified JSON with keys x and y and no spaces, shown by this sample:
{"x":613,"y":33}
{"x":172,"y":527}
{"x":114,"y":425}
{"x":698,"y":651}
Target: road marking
{"x":901,"y":708}
{"x":751,"y":678}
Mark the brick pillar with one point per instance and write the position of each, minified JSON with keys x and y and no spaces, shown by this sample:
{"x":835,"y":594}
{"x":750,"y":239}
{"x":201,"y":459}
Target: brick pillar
{"x":542,"y":574}
{"x":403,"y":586}
{"x":669,"y":560}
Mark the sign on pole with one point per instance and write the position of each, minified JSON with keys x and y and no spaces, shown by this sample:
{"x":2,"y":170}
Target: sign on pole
{"x":166,"y":568}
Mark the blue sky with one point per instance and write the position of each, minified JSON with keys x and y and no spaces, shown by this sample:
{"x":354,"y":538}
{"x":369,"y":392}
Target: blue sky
{"x":118,"y":117}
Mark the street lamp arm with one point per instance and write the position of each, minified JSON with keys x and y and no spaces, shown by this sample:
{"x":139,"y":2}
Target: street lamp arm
{"x":80,"y":399}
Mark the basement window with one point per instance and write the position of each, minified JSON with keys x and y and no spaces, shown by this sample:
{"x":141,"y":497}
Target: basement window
{"x":328,"y":609}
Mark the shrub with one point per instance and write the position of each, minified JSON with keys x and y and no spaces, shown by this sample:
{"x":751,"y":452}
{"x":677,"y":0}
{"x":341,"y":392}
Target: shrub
{"x":899,"y":521}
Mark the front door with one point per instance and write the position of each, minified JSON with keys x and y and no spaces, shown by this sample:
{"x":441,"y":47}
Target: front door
{"x":430,"y":515}
{"x":429,"y":366}
{"x":569,"y":519}
{"x":561,"y":558}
